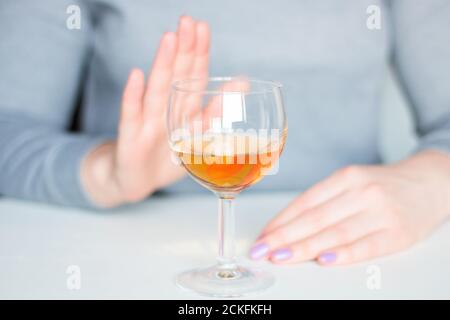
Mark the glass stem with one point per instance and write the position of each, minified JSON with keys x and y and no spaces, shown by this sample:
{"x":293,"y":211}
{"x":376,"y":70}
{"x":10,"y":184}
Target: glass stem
{"x":226,"y":256}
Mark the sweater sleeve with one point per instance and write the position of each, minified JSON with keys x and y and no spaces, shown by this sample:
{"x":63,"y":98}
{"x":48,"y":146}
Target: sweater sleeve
{"x":421,"y":58}
{"x":41,"y":63}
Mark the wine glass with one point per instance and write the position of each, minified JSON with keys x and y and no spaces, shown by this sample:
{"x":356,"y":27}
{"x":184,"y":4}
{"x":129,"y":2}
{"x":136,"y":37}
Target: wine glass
{"x":228,"y":133}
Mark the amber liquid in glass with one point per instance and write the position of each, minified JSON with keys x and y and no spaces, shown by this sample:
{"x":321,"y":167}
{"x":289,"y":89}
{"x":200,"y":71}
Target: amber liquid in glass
{"x":229,"y":163}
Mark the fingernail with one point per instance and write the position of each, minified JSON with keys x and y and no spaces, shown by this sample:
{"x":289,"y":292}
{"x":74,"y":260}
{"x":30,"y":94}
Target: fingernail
{"x":282,"y":254}
{"x":327,"y":257}
{"x":259,"y":251}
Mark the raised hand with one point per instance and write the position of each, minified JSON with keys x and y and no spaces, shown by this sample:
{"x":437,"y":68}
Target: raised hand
{"x":139,"y":162}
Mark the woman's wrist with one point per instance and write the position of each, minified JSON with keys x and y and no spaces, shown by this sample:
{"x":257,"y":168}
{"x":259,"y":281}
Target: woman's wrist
{"x":427,"y":163}
{"x":98,"y":176}
{"x":432,"y":166}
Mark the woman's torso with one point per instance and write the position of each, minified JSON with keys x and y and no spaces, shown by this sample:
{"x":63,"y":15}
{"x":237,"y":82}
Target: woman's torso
{"x":331,"y":65}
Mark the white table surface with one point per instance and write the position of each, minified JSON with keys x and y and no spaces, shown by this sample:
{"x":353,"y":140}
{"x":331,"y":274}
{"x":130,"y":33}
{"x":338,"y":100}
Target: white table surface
{"x":135,"y":252}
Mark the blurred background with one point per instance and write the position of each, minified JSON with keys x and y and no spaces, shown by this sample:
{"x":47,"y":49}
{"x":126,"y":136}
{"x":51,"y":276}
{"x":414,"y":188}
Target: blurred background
{"x":397,"y":135}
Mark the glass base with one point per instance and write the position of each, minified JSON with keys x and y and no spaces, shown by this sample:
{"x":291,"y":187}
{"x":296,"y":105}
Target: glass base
{"x":218,"y":281}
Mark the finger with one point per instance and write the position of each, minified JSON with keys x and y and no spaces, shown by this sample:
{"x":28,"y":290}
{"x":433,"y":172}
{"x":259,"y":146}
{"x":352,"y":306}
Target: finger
{"x":237,"y":86}
{"x":160,"y":77}
{"x":203,"y":42}
{"x":321,"y":192}
{"x":186,"y":48}
{"x":131,"y":110}
{"x":192,"y":103}
{"x":311,"y":222}
{"x":192,"y":107}
{"x":371,"y":246}
{"x":345,"y":232}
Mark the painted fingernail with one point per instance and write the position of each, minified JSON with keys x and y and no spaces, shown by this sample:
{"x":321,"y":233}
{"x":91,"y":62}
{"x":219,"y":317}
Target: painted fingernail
{"x":327,"y":257}
{"x":281,"y":254}
{"x":259,"y":251}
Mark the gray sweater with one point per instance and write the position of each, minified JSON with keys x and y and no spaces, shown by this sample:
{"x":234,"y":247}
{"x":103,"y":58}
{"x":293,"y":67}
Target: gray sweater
{"x":332,"y":67}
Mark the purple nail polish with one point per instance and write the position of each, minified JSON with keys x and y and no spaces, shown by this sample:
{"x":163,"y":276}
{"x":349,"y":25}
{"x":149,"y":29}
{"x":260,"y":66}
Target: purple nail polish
{"x":327,"y":257}
{"x":259,"y":251}
{"x":282,"y":254}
